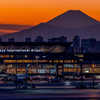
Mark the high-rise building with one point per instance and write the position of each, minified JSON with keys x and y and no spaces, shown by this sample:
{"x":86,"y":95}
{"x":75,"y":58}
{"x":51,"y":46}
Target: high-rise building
{"x":53,"y":40}
{"x":88,"y":45}
{"x":97,"y":46}
{"x":39,"y":39}
{"x":0,"y":39}
{"x":28,"y":39}
{"x":60,"y":39}
{"x":11,"y":40}
{"x":76,"y":43}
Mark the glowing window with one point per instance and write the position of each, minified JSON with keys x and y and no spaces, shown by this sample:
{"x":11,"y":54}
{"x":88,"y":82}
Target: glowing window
{"x":61,"y":61}
{"x":50,"y":61}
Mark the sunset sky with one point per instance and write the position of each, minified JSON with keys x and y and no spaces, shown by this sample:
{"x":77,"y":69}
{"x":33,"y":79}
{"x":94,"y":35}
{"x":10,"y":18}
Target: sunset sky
{"x":33,"y":12}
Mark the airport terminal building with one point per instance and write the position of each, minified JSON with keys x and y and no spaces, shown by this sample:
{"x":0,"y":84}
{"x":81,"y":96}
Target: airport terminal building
{"x":45,"y":58}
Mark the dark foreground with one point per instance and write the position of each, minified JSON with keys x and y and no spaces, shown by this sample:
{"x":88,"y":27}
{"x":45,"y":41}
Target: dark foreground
{"x":55,"y":91}
{"x":48,"y":94}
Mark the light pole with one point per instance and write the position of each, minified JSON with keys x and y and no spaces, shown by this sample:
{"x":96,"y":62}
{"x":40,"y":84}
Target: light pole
{"x":81,"y":75}
{"x":27,"y":73}
{"x":93,"y":74}
{"x":36,"y":63}
{"x":16,"y":76}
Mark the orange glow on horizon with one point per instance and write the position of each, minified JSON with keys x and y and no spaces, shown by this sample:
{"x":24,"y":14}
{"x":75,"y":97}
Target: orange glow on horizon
{"x":32,"y":12}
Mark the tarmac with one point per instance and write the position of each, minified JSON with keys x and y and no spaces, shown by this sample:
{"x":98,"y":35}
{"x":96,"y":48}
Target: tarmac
{"x":8,"y":92}
{"x":50,"y":93}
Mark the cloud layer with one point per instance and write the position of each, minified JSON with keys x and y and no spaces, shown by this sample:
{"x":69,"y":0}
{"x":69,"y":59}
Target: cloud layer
{"x":10,"y":28}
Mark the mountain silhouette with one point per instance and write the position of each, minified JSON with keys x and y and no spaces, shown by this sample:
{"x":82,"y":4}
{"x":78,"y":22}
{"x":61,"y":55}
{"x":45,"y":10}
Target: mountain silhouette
{"x":78,"y":24}
{"x":73,"y":19}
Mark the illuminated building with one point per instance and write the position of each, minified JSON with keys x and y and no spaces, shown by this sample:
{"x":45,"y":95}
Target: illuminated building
{"x":45,"y":58}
